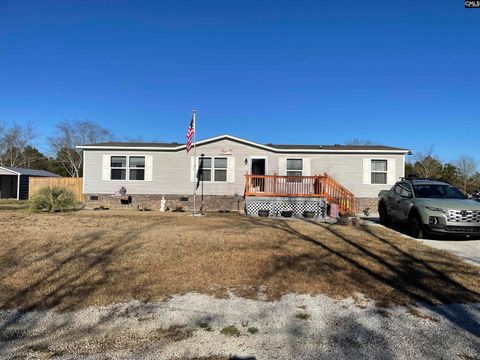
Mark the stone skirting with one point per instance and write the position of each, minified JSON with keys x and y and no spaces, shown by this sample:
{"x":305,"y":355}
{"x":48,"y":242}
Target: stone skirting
{"x":185,"y":202}
{"x":362,"y":203}
{"x":173,"y":202}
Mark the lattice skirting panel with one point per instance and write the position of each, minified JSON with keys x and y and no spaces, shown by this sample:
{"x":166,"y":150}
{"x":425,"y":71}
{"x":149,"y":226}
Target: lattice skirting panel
{"x":278,"y":204}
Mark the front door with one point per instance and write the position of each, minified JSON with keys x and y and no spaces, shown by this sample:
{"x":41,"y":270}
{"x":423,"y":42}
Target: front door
{"x":258,"y":168}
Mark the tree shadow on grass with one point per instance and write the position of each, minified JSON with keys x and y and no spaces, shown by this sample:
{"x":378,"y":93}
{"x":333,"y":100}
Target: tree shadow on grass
{"x":69,"y":283}
{"x":382,"y":270}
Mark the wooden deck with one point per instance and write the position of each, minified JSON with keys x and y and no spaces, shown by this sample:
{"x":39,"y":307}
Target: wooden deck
{"x":301,"y":186}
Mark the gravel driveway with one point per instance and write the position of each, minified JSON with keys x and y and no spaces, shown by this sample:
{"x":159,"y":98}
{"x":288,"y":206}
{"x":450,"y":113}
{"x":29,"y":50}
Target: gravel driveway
{"x":295,"y":327}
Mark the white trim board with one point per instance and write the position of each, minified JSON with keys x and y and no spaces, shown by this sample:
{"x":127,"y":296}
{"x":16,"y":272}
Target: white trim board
{"x":18,"y":187}
{"x":11,"y":171}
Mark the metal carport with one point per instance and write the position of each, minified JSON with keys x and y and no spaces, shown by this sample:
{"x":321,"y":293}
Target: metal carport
{"x":14,"y":181}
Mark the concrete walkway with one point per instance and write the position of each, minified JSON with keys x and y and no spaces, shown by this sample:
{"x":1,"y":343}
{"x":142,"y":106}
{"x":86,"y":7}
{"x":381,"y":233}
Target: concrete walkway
{"x":468,"y":250}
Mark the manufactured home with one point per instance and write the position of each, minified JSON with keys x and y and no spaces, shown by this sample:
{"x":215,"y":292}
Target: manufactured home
{"x":238,"y":174}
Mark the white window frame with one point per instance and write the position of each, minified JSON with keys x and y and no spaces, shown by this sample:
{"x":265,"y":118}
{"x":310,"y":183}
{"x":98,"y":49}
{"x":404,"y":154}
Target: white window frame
{"x":286,"y":166}
{"x":378,"y":172}
{"x":119,"y":168}
{"x":127,"y":167}
{"x":212,"y":168}
{"x":144,"y":168}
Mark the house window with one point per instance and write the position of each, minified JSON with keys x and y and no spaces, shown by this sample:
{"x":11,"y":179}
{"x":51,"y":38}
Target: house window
{"x":220,"y":169}
{"x":205,"y":169}
{"x":379,"y":171}
{"x":118,"y":168}
{"x":213,"y":169}
{"x":136,"y":167}
{"x":294,"y":168}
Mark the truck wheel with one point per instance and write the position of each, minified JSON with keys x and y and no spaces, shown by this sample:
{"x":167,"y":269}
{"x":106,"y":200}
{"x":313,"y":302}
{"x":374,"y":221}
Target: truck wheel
{"x":416,"y":226}
{"x":382,"y":211}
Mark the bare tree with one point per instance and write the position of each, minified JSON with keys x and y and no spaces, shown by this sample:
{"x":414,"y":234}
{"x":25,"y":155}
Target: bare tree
{"x":467,"y":167}
{"x":427,"y":163}
{"x":14,"y":141}
{"x":70,"y":134}
{"x":356,"y":141}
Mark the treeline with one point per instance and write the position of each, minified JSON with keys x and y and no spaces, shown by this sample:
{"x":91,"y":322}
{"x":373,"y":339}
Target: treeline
{"x":17,"y":146}
{"x":462,"y":172}
{"x":17,"y":150}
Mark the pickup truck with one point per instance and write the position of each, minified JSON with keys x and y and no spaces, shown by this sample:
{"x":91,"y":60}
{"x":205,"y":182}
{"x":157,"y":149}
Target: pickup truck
{"x":476,"y":196}
{"x":430,"y":207}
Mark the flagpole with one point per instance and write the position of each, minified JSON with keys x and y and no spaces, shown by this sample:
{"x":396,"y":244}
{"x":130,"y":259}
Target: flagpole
{"x":194,"y":118}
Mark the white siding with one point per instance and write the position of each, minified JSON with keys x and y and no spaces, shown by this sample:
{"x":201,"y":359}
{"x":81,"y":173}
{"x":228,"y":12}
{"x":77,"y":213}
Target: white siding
{"x":282,"y":165}
{"x":391,"y":172}
{"x":172,"y":172}
{"x":105,"y":167}
{"x":306,"y":167}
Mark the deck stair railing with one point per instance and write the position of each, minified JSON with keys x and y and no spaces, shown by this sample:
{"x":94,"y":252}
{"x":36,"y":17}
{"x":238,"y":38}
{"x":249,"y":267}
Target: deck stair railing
{"x":322,"y":186}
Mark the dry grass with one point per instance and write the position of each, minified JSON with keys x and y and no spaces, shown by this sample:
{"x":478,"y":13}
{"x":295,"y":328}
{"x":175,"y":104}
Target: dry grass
{"x":73,"y":260}
{"x":10,"y":204}
{"x":422,"y":315}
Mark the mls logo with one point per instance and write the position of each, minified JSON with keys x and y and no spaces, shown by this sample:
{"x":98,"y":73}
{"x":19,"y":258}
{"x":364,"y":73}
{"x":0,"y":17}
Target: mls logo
{"x":472,"y":4}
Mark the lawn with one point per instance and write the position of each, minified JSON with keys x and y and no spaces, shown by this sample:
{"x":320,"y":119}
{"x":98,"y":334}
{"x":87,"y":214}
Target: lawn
{"x":73,"y":260}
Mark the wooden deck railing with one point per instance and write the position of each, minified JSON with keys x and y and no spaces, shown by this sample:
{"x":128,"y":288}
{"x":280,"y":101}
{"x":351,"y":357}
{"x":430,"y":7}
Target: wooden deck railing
{"x":301,"y":186}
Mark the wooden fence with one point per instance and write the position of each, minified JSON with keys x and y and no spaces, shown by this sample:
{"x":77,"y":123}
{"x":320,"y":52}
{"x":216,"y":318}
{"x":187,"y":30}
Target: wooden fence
{"x":75,"y":185}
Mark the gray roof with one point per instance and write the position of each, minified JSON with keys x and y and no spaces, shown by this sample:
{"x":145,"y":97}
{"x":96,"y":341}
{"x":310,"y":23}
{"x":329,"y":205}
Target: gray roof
{"x":29,"y":172}
{"x":135,"y":144}
{"x":285,"y":147}
{"x":334,"y":147}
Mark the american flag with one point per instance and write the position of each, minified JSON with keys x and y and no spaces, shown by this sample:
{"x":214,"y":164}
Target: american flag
{"x":190,"y":132}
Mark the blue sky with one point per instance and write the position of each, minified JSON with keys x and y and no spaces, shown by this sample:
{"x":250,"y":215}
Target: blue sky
{"x":403,"y":73}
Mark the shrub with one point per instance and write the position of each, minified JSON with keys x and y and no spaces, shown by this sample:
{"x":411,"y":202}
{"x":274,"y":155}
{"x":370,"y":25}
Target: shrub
{"x":230,"y":331}
{"x":53,"y":199}
{"x":252,"y":330}
{"x":302,"y":316}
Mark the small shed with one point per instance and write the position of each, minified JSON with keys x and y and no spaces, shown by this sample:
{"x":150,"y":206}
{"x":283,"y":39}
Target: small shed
{"x":14,"y":181}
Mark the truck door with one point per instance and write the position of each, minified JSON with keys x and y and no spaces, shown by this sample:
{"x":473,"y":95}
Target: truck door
{"x":404,"y":202}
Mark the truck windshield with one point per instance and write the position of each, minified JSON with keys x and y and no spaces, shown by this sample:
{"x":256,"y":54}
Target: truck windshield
{"x":437,"y":192}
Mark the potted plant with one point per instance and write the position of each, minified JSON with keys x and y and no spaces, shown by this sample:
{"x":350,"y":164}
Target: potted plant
{"x":264,"y":213}
{"x":309,"y":214}
{"x":286,"y":212}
